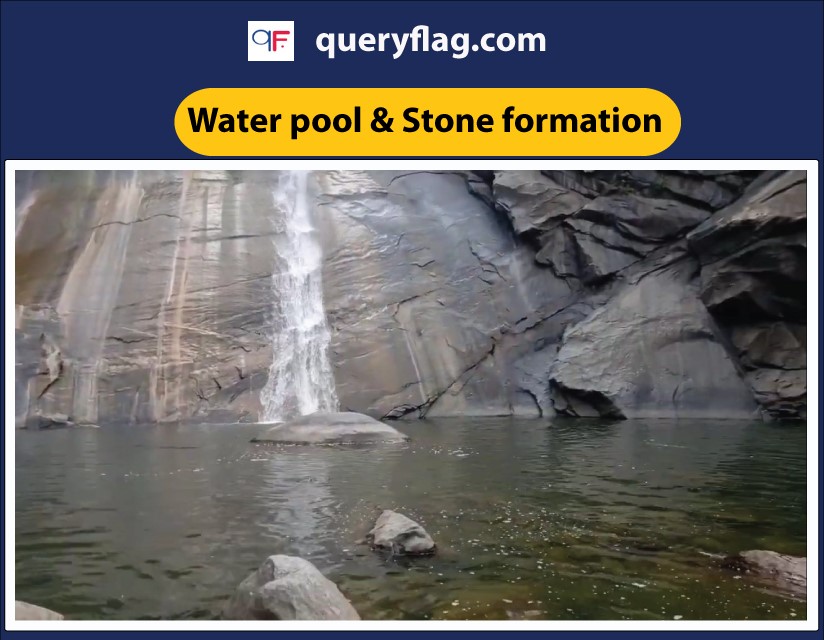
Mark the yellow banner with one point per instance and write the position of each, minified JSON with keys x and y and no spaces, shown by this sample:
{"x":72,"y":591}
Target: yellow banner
{"x":427,"y":122}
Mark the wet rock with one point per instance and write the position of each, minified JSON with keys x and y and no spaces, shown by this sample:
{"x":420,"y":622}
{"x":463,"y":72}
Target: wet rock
{"x":789,"y":573}
{"x":26,"y":611}
{"x":288,"y":588}
{"x":434,"y":307}
{"x":650,"y":351}
{"x":401,"y":536}
{"x":54,"y":421}
{"x":332,"y":428}
{"x":529,"y":614}
{"x":151,"y":290}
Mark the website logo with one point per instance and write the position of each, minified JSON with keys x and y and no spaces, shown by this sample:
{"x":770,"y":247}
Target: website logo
{"x":271,"y":41}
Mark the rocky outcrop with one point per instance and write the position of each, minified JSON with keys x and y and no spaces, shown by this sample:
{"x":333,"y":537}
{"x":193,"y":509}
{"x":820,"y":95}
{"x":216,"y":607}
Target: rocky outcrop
{"x":288,"y":588}
{"x":753,"y":280}
{"x":26,"y":611}
{"x":788,"y":573}
{"x":332,"y":428}
{"x":400,"y":536}
{"x":650,"y":350}
{"x":148,"y":296}
{"x":697,"y":282}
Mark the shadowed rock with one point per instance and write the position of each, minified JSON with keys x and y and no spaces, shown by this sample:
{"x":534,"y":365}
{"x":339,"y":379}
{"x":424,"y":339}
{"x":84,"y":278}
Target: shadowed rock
{"x":789,"y":573}
{"x":289,"y":588}
{"x":400,"y":535}
{"x":332,"y":428}
{"x":54,"y":421}
{"x":26,"y":611}
{"x":753,"y":280}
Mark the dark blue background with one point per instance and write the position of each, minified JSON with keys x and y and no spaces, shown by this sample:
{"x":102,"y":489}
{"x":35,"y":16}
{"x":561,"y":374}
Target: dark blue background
{"x":93,"y":80}
{"x":103,"y":80}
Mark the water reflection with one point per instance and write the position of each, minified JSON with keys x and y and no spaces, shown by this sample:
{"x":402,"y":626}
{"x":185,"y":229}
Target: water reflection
{"x":570,"y":520}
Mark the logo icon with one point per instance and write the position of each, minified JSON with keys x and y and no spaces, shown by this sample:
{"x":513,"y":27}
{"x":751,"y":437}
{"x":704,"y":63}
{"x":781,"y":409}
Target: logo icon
{"x":271,"y":41}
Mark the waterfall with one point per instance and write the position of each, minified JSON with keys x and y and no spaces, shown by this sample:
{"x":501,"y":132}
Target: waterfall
{"x":300,"y":378}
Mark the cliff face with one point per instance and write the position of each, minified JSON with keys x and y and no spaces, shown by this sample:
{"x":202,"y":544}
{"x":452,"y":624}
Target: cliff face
{"x":148,"y":296}
{"x":142,"y":297}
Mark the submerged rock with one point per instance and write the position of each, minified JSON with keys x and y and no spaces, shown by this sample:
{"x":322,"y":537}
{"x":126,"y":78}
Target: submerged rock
{"x":289,"y":588}
{"x":26,"y":611}
{"x":787,"y":572}
{"x":332,"y":428}
{"x":402,"y":536}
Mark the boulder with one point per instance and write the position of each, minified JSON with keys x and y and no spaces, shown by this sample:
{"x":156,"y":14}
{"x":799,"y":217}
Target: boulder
{"x":400,"y":535}
{"x":649,"y":352}
{"x":787,"y":572}
{"x":332,"y":428}
{"x":26,"y":611}
{"x":288,"y":588}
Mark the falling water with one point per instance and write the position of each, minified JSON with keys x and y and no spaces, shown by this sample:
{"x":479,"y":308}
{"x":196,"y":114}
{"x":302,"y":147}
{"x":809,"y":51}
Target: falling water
{"x":300,"y":378}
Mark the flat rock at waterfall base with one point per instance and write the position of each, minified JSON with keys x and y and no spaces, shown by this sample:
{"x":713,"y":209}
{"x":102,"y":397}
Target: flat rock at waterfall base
{"x":332,"y":428}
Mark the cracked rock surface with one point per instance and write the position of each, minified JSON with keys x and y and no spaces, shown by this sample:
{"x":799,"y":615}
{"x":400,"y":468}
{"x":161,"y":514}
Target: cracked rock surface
{"x":146,"y":297}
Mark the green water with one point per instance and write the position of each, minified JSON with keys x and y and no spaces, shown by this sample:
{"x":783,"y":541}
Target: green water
{"x":570,"y":520}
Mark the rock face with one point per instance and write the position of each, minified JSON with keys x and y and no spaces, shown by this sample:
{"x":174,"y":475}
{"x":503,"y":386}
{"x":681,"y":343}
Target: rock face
{"x":401,"y":536}
{"x":787,"y":572}
{"x":289,"y":588}
{"x":432,"y":302}
{"x":332,"y":428}
{"x":26,"y":611}
{"x":753,"y":279}
{"x":148,"y":296}
{"x":142,"y":296}
{"x":650,"y":349}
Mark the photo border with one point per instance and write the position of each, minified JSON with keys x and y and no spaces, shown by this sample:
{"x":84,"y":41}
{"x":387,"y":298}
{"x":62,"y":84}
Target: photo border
{"x":813,"y":469}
